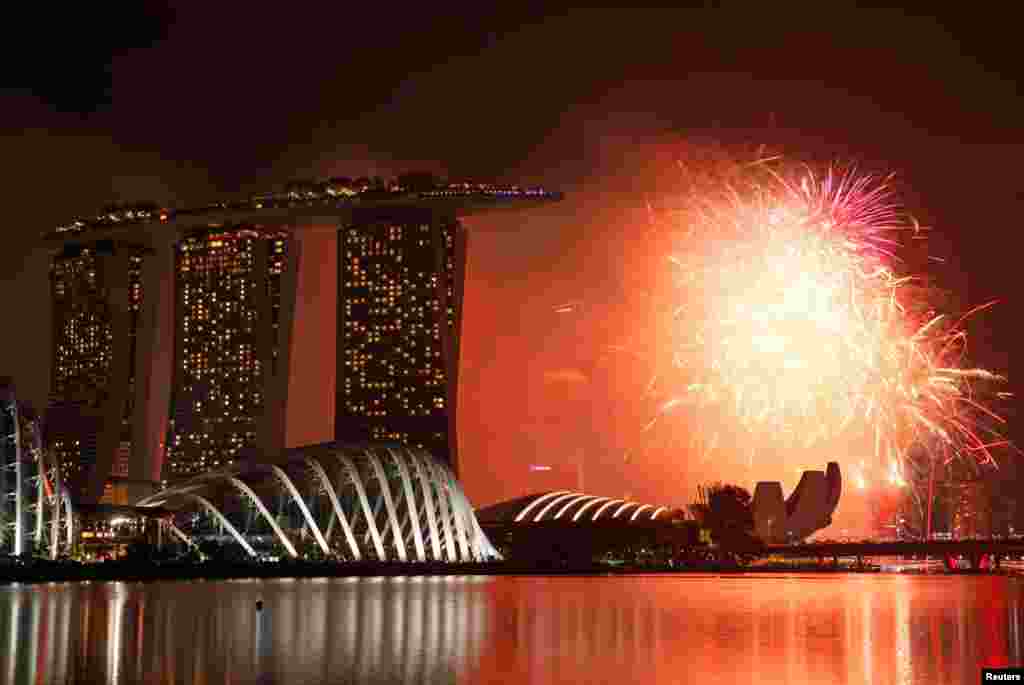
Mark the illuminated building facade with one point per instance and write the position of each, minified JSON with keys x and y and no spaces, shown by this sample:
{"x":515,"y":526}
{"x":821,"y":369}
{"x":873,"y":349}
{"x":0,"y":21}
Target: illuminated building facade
{"x":401,"y":273}
{"x":231,"y":324}
{"x":97,"y":293}
{"x":173,"y":328}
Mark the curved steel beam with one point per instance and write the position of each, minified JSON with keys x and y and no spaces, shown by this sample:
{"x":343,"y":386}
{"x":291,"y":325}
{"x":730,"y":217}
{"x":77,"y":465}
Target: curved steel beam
{"x":540,"y":500}
{"x":208,"y":505}
{"x":573,"y":501}
{"x":480,"y":542}
{"x":183,"y":537}
{"x":55,"y":527}
{"x":43,"y":485}
{"x":486,"y":543}
{"x":188,"y":486}
{"x":325,"y":481}
{"x":410,"y":503}
{"x":625,"y":506}
{"x":293,"y":491}
{"x":637,"y":512}
{"x":657,"y":511}
{"x":428,"y":496}
{"x":40,"y":504}
{"x":49,"y":509}
{"x":389,"y":503}
{"x":19,"y":496}
{"x":58,"y":487}
{"x":437,"y":483}
{"x":69,"y":518}
{"x":161,"y":497}
{"x":444,"y":478}
{"x":552,"y":503}
{"x":602,"y":508}
{"x":245,"y":489}
{"x":364,"y":503}
{"x":582,"y":510}
{"x":459,"y":513}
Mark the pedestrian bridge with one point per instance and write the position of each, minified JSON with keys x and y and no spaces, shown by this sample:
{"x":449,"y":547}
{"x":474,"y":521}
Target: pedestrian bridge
{"x":979,"y":553}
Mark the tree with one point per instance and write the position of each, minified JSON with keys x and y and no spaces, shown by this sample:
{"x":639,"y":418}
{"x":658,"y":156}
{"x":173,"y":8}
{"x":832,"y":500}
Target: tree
{"x":299,"y":185}
{"x":140,"y":551}
{"x":727,"y":512}
{"x":418,"y":181}
{"x":220,"y":552}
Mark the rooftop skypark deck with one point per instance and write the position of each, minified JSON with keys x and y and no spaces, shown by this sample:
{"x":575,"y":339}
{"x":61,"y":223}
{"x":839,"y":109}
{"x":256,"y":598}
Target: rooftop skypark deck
{"x":335,"y":198}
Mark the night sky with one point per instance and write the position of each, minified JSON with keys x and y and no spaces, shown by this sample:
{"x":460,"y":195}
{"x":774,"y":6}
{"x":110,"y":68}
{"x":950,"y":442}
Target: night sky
{"x":180,"y":104}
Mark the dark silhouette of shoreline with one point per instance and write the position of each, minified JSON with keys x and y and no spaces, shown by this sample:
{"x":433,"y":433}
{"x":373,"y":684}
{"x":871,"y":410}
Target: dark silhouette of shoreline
{"x":48,"y":571}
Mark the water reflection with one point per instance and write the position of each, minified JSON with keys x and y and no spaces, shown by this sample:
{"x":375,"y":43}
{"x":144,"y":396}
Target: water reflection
{"x":414,"y":630}
{"x":810,"y":629}
{"x":875,"y":629}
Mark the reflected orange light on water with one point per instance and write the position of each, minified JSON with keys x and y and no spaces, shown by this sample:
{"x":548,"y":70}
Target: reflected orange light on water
{"x":799,"y":629}
{"x":805,"y":630}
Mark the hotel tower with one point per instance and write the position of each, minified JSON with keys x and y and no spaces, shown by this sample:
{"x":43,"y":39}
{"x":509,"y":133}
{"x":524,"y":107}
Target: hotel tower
{"x":175,"y":334}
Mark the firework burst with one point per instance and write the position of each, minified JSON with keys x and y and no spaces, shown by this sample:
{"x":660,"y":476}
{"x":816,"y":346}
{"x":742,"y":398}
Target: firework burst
{"x":790,"y":326}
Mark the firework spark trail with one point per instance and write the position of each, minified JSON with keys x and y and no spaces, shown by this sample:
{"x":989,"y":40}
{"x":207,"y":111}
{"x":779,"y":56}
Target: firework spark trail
{"x":790,"y":322}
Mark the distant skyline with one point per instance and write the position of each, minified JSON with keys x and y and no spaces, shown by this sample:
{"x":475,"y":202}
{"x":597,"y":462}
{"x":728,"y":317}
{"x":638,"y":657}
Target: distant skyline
{"x":599,"y":104}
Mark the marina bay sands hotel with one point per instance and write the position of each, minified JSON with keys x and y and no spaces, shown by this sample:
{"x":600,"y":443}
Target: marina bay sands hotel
{"x":182,"y":340}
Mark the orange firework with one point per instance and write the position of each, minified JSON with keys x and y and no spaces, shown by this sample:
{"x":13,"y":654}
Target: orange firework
{"x":791,"y":326}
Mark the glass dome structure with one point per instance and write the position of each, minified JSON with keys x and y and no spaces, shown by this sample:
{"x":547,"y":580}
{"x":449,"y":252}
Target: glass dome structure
{"x":384,"y":502}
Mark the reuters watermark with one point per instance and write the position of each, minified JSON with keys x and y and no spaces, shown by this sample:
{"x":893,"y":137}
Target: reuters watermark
{"x":1002,"y":675}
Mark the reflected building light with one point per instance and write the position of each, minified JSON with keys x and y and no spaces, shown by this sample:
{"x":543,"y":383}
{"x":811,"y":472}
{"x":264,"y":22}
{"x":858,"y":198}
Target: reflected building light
{"x":458,"y":623}
{"x":850,"y":645}
{"x":63,"y":652}
{"x":84,"y":624}
{"x":140,"y":635}
{"x":367,"y":638}
{"x":578,"y":638}
{"x":869,"y":652}
{"x":33,"y":650}
{"x":350,"y":629}
{"x":961,"y":632}
{"x":432,"y":621}
{"x":904,"y":655}
{"x":261,"y":644}
{"x":935,"y":629}
{"x":197,"y":655}
{"x":52,"y":639}
{"x":321,"y":627}
{"x":12,"y":642}
{"x":398,"y":631}
{"x":170,"y":664}
{"x":1015,"y":635}
{"x":115,"y":609}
